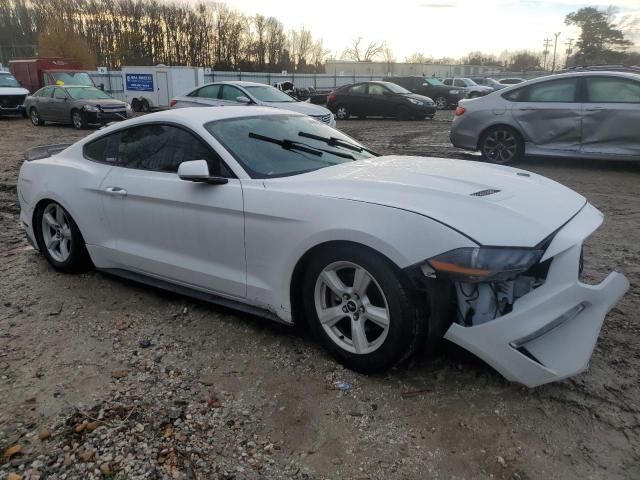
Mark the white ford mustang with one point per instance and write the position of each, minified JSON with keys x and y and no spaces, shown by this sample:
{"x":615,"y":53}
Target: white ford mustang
{"x":279,"y":215}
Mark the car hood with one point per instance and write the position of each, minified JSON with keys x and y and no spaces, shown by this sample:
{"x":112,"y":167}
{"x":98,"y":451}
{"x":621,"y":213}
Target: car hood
{"x":300,"y":107}
{"x":418,"y":96}
{"x":525,"y":209}
{"x":13,"y":91}
{"x":102,"y":102}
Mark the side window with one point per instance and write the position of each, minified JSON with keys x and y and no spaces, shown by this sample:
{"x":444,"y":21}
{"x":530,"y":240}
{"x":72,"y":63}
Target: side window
{"x":209,"y":91}
{"x":554,"y":91}
{"x":518,"y":95}
{"x":59,"y":94}
{"x":104,"y":149}
{"x":359,"y":89}
{"x":162,"y":148}
{"x":45,"y":92}
{"x":375,"y":89}
{"x":231,"y":93}
{"x":612,"y":90}
{"x":447,"y":81}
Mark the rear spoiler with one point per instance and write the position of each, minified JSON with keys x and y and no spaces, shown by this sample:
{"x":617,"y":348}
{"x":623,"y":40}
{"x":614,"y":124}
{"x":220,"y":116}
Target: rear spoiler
{"x":45,"y":151}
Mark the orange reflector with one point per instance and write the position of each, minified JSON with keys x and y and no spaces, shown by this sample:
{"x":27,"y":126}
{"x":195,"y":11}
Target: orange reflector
{"x":453,"y":268}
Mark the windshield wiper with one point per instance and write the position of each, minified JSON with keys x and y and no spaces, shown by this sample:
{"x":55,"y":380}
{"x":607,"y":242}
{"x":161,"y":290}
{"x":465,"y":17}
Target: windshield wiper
{"x":303,"y":147}
{"x":338,"y":142}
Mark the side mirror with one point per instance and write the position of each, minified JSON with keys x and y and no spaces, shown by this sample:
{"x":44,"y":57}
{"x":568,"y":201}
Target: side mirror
{"x":198,"y":171}
{"x":242,"y":99}
{"x":101,"y":86}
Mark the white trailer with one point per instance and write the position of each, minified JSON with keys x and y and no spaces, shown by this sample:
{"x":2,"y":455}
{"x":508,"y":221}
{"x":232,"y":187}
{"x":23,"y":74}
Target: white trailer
{"x":148,"y":88}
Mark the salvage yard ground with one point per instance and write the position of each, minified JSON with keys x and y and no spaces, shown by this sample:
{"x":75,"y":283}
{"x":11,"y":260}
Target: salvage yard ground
{"x":104,"y":378}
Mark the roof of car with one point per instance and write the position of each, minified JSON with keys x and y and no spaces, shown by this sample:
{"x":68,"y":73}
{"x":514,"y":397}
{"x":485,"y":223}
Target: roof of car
{"x":240,"y":83}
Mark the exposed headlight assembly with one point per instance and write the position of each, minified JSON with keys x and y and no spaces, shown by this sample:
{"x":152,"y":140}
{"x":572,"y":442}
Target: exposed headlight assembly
{"x":91,"y":108}
{"x":484,"y":264}
{"x":414,"y":101}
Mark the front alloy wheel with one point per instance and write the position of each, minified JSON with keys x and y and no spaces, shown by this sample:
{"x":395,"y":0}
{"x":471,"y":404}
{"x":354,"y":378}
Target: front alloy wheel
{"x":78,"y":119}
{"x":353,"y":312}
{"x":441,"y":103}
{"x":362,"y":308}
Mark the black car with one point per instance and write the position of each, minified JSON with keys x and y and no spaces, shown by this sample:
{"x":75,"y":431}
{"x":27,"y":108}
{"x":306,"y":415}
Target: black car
{"x":443,"y":95}
{"x":384,"y":99}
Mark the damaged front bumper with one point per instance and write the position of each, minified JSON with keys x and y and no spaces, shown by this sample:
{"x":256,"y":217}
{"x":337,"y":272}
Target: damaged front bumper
{"x":550,"y":332}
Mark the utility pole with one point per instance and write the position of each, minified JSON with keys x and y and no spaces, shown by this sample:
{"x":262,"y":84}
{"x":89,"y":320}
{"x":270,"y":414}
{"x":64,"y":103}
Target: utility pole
{"x":555,"y":48}
{"x":545,"y":52}
{"x":568,"y":51}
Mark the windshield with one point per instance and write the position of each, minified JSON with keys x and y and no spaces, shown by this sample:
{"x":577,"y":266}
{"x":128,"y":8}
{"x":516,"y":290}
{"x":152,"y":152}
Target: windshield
{"x":72,"y":78}
{"x":269,"y":94}
{"x":7,"y":80}
{"x":396,"y":88}
{"x":433,"y":81}
{"x":87,"y":93}
{"x":291,"y":154}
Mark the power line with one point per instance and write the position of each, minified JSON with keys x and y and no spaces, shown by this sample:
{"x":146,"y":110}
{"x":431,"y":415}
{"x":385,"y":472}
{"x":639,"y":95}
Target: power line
{"x":568,"y":51}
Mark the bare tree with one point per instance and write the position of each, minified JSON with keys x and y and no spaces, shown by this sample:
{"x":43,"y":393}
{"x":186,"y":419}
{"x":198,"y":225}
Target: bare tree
{"x":362,"y":53}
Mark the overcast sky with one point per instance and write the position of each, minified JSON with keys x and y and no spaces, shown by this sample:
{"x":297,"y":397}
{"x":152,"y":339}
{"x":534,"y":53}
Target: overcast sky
{"x":436,"y":28}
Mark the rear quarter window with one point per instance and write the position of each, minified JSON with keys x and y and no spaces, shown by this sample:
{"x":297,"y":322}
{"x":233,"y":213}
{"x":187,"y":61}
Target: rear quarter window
{"x":103,"y":149}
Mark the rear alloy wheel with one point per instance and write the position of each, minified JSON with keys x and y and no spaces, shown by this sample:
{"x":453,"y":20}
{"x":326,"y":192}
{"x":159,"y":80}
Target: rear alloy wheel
{"x":441,"y":103}
{"x":501,"y":145}
{"x":342,"y":113}
{"x":79,"y":119}
{"x":360,"y":308}
{"x":36,"y":120}
{"x":60,"y":240}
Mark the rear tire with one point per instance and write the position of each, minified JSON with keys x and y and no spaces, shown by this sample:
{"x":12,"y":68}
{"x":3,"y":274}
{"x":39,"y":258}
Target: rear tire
{"x":501,"y":145}
{"x":368,"y":325}
{"x":145,"y":106}
{"x":36,"y":120}
{"x":342,"y":112}
{"x":59,"y":239}
{"x":135,"y":105}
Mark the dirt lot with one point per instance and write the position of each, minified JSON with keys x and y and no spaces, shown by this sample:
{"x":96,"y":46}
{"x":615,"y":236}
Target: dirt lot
{"x":103,"y":378}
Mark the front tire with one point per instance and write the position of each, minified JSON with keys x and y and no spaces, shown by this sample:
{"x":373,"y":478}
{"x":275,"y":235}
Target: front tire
{"x":502,"y":145}
{"x":442,"y":103}
{"x":79,"y":119}
{"x":361,"y":308}
{"x":60,"y":240}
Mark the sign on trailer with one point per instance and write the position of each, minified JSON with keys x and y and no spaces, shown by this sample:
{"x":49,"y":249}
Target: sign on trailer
{"x":139,"y":82}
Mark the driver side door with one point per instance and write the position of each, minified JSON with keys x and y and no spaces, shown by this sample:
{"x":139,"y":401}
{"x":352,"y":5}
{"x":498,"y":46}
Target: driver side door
{"x":187,"y":233}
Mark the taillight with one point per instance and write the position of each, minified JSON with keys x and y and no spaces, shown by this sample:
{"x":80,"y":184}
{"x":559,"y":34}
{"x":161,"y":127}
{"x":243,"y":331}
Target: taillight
{"x":332,"y":96}
{"x":460,"y":111}
{"x":172,"y":103}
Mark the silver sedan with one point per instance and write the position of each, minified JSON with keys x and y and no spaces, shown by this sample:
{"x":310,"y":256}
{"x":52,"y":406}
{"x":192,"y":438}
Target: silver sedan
{"x":232,"y":93}
{"x":581,"y":115}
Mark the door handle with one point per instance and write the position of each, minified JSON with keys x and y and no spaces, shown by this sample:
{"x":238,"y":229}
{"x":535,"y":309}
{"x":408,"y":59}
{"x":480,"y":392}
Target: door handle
{"x":594,"y":109}
{"x":117,"y":191}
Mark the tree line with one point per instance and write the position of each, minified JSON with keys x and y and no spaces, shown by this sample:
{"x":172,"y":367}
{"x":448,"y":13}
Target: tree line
{"x":148,"y":32}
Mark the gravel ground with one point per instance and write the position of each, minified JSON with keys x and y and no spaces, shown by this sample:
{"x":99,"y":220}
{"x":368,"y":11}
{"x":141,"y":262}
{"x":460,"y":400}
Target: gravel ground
{"x":101,"y":378}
